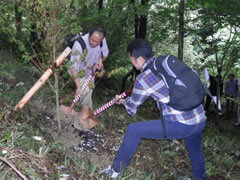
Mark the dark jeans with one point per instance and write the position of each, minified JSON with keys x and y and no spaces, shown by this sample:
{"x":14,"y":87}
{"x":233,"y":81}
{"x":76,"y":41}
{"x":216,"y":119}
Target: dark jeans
{"x":208,"y":102}
{"x":192,"y":135}
{"x":230,"y":106}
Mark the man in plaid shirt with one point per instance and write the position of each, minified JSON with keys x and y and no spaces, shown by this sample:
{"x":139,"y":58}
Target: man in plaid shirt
{"x":185,"y":125}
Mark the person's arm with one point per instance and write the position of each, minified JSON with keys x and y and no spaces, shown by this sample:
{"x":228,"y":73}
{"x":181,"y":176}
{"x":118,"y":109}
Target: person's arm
{"x":75,"y":60}
{"x":104,"y":53}
{"x":236,"y":85}
{"x":226,"y":88}
{"x":74,"y":73}
{"x":100,"y":63}
{"x":145,"y":87}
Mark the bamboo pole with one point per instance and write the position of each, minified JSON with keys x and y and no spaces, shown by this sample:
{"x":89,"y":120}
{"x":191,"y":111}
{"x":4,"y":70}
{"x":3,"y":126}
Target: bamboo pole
{"x":42,"y":79}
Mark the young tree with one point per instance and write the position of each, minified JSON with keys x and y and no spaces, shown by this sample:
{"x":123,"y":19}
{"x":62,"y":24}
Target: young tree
{"x":216,"y":35}
{"x":181,"y":30}
{"x":140,"y":30}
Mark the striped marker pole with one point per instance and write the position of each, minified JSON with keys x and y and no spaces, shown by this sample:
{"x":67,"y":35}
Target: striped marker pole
{"x":107,"y":105}
{"x":85,"y":85}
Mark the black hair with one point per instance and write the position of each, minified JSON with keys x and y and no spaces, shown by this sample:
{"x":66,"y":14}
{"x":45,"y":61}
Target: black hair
{"x":140,"y":47}
{"x":97,"y":28}
{"x":231,"y":75}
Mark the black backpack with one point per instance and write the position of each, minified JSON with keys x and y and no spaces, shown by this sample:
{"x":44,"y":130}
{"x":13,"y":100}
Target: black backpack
{"x":76,"y":37}
{"x":186,"y":90}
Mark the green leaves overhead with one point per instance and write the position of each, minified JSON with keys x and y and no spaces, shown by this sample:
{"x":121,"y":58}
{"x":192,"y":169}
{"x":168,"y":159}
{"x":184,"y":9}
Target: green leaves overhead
{"x":33,"y":27}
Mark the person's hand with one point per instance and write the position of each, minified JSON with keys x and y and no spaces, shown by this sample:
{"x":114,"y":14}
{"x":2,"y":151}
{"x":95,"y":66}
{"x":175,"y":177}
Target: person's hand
{"x":100,"y":66}
{"x":116,"y":99}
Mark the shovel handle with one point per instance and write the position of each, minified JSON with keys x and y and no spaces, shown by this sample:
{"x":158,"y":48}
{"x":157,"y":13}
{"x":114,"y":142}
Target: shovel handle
{"x":110,"y":103}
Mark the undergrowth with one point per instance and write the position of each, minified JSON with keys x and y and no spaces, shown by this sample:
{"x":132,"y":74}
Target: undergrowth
{"x":29,"y":148}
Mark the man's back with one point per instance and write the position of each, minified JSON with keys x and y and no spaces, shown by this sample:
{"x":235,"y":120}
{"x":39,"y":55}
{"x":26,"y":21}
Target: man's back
{"x":148,"y":84}
{"x":231,"y":87}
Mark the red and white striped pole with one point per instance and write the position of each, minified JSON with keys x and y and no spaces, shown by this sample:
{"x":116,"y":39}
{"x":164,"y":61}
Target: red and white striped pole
{"x":85,"y":85}
{"x":110,"y":103}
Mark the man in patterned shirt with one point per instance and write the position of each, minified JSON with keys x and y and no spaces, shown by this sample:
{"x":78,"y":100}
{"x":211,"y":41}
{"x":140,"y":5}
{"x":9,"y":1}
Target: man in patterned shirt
{"x":178,"y":124}
{"x":231,"y":89}
{"x":82,"y":63}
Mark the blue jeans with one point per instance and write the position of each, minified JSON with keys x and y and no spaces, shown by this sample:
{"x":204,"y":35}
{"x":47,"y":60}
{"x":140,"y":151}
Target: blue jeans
{"x":192,"y":135}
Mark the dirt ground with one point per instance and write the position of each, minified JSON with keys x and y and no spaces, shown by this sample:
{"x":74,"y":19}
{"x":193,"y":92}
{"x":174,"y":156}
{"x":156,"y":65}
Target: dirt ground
{"x":99,"y":145}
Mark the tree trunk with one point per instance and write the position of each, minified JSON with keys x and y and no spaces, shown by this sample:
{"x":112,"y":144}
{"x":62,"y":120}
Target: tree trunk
{"x":140,"y":32}
{"x":18,"y":17}
{"x":55,"y":74}
{"x":100,"y":5}
{"x":141,"y":23}
{"x":181,"y":30}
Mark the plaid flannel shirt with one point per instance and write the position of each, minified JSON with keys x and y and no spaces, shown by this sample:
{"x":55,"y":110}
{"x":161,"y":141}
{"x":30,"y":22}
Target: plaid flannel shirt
{"x":149,"y":85}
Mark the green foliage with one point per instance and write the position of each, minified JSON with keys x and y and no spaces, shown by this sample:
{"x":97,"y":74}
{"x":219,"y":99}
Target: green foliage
{"x":35,"y":31}
{"x":14,"y":82}
{"x":211,"y":169}
{"x":219,"y":150}
{"x":40,"y":31}
{"x":170,"y":154}
{"x":215,"y":33}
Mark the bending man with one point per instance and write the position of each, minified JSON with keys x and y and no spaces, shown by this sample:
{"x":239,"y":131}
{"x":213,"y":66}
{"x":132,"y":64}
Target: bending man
{"x":178,"y":124}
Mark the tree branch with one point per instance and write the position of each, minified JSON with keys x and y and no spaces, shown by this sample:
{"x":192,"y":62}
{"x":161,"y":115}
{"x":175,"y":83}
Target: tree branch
{"x":14,"y":168}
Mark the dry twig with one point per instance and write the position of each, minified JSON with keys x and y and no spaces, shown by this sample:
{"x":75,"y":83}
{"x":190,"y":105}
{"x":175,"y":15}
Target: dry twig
{"x":14,"y":168}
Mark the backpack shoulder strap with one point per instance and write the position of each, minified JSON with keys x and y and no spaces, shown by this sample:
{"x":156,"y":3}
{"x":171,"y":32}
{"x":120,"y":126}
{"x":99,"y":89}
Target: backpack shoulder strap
{"x":81,"y":42}
{"x":101,"y":45}
{"x":154,"y":66}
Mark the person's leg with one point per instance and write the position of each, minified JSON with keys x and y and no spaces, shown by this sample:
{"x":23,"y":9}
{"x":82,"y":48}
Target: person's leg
{"x":149,"y":130}
{"x":207,"y":104}
{"x":238,"y":115}
{"x":232,"y":107}
{"x":193,"y":146}
{"x":227,"y":106}
{"x":86,"y":98}
{"x":134,"y":133}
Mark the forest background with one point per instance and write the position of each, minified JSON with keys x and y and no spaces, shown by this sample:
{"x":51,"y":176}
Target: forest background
{"x":202,"y":33}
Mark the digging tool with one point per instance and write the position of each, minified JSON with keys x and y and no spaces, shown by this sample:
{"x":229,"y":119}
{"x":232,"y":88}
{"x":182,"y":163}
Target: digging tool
{"x":87,"y":117}
{"x":42,"y":79}
{"x":84,"y":86}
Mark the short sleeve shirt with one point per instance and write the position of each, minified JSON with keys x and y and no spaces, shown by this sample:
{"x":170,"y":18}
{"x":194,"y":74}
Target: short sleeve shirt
{"x":92,"y":55}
